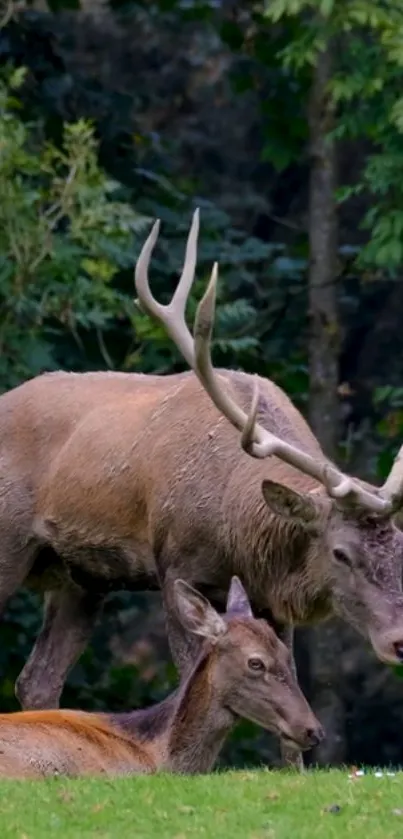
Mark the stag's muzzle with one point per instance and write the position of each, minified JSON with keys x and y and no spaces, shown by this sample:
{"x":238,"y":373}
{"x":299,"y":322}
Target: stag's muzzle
{"x":388,"y":645}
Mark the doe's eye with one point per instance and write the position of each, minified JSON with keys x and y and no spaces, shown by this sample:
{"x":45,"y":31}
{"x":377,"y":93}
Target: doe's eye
{"x":341,"y":556}
{"x":256,"y":664}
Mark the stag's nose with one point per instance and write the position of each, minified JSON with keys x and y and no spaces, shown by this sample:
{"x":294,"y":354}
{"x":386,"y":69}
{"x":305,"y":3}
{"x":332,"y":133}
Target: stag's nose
{"x":388,"y":644}
{"x":314,"y":736}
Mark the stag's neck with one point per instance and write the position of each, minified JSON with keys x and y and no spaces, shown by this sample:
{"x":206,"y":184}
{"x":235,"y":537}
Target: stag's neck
{"x":269,"y":539}
{"x":280,"y":563}
{"x":187,"y":730}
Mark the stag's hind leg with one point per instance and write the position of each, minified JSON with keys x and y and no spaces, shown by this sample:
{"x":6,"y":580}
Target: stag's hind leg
{"x":69,"y":618}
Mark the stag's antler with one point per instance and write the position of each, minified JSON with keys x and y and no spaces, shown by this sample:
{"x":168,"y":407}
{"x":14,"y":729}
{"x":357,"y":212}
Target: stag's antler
{"x":392,"y":489}
{"x":255,"y":440}
{"x":173,"y":315}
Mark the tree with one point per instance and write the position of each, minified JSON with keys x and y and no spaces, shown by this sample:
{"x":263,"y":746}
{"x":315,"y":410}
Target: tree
{"x":63,"y":237}
{"x":323,"y":371}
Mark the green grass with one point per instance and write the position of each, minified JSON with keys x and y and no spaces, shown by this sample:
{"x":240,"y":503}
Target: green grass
{"x":233,"y":805}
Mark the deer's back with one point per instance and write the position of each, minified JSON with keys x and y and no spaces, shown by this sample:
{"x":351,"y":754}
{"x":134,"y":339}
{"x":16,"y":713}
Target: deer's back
{"x":39,"y":416}
{"x":118,"y":464}
{"x":46,"y":743}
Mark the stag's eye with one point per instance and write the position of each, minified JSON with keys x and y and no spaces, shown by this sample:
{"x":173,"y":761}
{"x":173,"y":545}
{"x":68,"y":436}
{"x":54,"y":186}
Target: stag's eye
{"x":341,"y":556}
{"x":256,"y":664}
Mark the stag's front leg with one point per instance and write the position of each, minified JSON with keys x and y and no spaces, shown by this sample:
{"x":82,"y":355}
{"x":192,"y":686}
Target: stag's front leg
{"x":69,"y":619}
{"x":291,"y":758}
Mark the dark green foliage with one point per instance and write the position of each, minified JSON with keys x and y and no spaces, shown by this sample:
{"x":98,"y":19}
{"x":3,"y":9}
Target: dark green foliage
{"x":63,"y":238}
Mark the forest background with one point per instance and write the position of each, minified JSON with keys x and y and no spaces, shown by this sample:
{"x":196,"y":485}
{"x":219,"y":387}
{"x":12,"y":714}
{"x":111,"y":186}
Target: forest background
{"x":283,"y":121}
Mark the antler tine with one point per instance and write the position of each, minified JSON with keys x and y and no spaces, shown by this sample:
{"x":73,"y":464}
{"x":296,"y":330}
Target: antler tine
{"x":173,"y":315}
{"x":343,"y":488}
{"x":202,"y":332}
{"x":392,"y":489}
{"x":248,"y":435}
{"x":148,"y":303}
{"x":335,"y":487}
{"x":181,"y":295}
{"x":252,"y":432}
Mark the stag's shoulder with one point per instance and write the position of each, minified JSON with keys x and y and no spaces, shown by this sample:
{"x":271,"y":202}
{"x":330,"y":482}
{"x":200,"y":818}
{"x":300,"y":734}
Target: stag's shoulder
{"x":276,"y":411}
{"x":271,"y":396}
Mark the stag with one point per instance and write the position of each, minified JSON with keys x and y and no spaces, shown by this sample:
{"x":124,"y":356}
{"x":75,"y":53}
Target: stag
{"x":112,"y":480}
{"x":241,"y":670}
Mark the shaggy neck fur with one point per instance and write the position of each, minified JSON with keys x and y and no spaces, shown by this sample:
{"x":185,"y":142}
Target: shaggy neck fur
{"x":281,"y":562}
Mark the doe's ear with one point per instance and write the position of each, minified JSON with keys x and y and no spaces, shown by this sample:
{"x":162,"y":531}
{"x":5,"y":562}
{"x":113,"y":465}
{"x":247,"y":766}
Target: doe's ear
{"x":290,"y":504}
{"x":237,"y":600}
{"x":196,"y":614}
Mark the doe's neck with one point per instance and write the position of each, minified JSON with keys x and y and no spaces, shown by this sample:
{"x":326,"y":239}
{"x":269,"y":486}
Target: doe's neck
{"x":200,"y":722}
{"x":185,"y":731}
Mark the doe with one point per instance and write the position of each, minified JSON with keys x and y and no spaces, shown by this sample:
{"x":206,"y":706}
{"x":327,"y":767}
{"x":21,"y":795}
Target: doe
{"x":242,"y":669}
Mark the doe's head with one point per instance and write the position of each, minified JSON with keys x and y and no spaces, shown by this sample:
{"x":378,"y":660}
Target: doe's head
{"x":251,"y":673}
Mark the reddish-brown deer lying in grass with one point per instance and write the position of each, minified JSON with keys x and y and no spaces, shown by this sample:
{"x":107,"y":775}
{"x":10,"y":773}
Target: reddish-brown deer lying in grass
{"x":111,"y":480}
{"x":242,"y":669}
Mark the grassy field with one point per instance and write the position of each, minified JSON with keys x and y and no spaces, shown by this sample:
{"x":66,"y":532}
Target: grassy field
{"x":233,"y":805}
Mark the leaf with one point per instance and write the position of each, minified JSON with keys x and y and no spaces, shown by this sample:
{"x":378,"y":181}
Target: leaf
{"x":16,"y":79}
{"x":326,"y":7}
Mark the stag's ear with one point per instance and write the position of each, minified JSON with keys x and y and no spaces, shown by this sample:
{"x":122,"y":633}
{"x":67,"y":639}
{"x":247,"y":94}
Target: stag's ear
{"x":237,"y":600}
{"x":196,"y":614}
{"x":289,"y":504}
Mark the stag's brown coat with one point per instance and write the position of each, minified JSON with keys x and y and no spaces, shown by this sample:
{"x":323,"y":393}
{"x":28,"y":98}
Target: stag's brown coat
{"x":241,"y":670}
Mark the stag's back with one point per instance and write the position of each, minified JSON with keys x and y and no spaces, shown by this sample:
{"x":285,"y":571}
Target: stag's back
{"x":40,"y":416}
{"x":111,"y":458}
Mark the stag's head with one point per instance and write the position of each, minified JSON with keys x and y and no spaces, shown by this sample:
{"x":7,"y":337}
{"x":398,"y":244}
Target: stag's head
{"x":360,"y":554}
{"x":249,"y":667}
{"x":350,"y":523}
